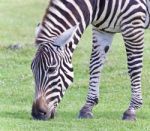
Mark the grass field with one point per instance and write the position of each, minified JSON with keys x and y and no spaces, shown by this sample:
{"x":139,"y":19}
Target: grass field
{"x":17,"y":22}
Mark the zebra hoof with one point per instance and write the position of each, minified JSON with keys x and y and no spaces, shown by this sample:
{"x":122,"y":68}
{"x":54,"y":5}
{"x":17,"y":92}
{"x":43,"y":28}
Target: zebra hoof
{"x":86,"y":112}
{"x":85,"y":115}
{"x":129,"y":115}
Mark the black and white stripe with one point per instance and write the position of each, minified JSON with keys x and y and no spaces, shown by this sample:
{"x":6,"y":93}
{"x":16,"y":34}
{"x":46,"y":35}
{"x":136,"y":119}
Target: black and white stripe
{"x":52,"y":67}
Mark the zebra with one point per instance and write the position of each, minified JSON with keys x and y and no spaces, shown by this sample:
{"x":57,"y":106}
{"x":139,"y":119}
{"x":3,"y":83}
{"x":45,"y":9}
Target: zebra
{"x":58,"y":35}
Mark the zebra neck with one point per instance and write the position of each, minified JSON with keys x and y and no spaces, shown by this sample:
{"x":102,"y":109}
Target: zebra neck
{"x":62,"y":15}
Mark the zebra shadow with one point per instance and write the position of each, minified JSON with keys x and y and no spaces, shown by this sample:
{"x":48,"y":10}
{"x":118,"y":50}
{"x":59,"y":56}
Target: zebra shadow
{"x":117,"y":115}
{"x":111,"y":115}
{"x":16,"y":115}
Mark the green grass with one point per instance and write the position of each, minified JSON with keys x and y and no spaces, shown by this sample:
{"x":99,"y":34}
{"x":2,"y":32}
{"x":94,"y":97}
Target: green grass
{"x":17,"y":22}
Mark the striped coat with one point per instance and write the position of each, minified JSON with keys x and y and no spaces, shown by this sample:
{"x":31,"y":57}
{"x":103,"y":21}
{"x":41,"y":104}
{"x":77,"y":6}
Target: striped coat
{"x":58,"y":35}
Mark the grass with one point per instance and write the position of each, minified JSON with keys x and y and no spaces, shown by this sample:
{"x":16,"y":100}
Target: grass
{"x":17,"y":23}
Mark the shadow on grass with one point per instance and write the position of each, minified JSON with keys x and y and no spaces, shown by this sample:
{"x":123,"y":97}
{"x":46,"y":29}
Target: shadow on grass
{"x":111,"y":115}
{"x":117,"y":115}
{"x":114,"y":115}
{"x":71,"y":115}
{"x":16,"y":115}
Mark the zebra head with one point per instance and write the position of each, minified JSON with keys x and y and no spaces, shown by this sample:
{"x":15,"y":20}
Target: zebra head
{"x":53,"y":73}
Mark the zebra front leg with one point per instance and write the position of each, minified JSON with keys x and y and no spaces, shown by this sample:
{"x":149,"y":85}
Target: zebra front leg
{"x":101,"y":44}
{"x":134,"y":47}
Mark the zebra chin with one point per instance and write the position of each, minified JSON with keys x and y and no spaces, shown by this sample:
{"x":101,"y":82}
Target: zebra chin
{"x":40,"y":110}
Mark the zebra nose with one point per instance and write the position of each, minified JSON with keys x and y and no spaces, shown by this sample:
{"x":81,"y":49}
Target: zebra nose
{"x":40,"y":109}
{"x":42,"y":113}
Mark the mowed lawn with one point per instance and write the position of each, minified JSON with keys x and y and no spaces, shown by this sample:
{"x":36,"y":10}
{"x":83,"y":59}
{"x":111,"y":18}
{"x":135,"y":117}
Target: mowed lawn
{"x":18,"y":19}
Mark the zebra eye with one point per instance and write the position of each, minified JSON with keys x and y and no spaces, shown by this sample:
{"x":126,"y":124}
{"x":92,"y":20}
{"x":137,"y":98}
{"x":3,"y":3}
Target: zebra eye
{"x":51,"y":69}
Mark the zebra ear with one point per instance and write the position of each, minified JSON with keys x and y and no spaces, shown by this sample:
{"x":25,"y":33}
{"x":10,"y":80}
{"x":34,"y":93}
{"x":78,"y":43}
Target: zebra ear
{"x":65,"y":37}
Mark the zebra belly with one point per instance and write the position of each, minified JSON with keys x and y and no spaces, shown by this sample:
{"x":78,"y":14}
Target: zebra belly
{"x":110,"y":29}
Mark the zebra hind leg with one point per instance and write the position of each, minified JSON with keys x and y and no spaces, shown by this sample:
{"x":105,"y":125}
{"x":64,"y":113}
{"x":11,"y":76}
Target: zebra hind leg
{"x":101,"y":44}
{"x":134,"y":49}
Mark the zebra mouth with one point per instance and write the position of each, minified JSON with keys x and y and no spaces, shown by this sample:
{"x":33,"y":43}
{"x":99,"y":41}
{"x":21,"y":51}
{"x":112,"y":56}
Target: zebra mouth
{"x":40,"y":115}
{"x":52,"y":114}
{"x":42,"y":112}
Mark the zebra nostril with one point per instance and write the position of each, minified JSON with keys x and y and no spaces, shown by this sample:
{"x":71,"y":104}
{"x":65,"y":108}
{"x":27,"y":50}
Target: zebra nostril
{"x":42,"y":113}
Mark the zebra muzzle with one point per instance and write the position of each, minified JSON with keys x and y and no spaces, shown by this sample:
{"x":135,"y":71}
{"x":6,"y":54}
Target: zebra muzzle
{"x":40,"y":110}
